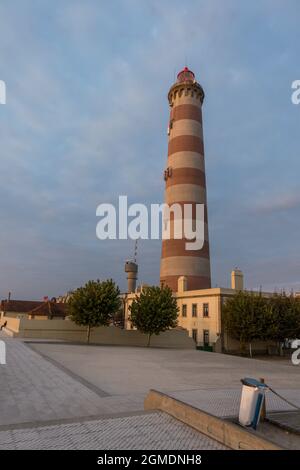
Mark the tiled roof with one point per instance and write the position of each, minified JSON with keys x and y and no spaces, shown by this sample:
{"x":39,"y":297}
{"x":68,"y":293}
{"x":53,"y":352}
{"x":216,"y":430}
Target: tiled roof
{"x":19,"y":306}
{"x":50,"y":309}
{"x":33,"y":307}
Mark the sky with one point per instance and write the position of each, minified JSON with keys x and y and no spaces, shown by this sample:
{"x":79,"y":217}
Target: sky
{"x":86,"y":119}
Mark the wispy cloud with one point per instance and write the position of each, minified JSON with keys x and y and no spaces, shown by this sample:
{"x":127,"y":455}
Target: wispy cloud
{"x":86,"y":121}
{"x":278,"y":202}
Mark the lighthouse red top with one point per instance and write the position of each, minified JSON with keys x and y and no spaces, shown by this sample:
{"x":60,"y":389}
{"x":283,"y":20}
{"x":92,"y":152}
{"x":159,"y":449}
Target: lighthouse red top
{"x":185,"y":75}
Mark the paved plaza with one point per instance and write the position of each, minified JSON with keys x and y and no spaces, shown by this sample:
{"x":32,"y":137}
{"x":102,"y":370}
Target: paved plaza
{"x":145,"y":431}
{"x":84,"y":394}
{"x":129,"y":370}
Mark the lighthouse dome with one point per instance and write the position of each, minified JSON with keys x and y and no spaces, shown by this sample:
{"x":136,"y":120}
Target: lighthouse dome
{"x":186,"y":75}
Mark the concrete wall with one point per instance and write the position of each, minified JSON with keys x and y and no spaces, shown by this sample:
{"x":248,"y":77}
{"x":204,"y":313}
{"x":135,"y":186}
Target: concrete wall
{"x":258,"y":347}
{"x":4,"y":315}
{"x":67,"y":330}
{"x":13,"y":325}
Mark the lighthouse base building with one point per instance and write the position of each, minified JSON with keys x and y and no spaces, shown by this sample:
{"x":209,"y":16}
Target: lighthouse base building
{"x":200,"y":313}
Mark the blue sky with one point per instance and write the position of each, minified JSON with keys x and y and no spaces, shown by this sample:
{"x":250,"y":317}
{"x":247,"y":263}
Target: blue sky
{"x":86,"y":120}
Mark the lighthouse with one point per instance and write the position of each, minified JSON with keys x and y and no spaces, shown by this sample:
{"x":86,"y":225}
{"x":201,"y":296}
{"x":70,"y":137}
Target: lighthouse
{"x":185,"y":183}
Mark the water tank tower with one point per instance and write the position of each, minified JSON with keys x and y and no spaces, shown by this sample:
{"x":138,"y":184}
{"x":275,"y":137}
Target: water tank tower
{"x":131,"y":268}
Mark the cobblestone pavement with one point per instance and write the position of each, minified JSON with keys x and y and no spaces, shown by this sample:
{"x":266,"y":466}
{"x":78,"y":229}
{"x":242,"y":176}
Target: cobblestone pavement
{"x":34,"y":389}
{"x":151,"y":431}
{"x":289,"y":421}
{"x":225,"y":403}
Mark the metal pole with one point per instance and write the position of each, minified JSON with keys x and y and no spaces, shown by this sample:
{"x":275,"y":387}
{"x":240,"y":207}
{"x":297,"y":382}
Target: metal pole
{"x":263,"y":409}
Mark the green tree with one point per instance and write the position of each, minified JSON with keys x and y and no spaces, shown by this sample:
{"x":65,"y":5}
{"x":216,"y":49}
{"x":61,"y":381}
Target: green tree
{"x":244,"y":317}
{"x":153,"y":311}
{"x":94,"y":304}
{"x":296,"y":306}
{"x":284,"y":318}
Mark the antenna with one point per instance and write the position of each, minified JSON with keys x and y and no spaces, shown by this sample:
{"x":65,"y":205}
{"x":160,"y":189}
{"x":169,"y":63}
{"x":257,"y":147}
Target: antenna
{"x":135,"y":249}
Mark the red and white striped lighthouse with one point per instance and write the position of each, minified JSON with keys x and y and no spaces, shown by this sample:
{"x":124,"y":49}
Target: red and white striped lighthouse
{"x":185,"y":182}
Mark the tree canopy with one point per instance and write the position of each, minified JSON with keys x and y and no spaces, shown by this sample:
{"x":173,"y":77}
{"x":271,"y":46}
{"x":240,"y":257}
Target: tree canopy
{"x":94,"y":304}
{"x":154,"y":310}
{"x":249,"y":316}
{"x":284,"y":315}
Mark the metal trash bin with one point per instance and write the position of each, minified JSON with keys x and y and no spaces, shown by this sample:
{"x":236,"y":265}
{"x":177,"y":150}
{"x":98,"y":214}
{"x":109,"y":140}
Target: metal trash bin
{"x":253,"y":395}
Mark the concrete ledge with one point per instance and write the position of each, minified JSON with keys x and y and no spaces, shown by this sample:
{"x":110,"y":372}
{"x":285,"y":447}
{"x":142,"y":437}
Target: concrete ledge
{"x":229,"y":434}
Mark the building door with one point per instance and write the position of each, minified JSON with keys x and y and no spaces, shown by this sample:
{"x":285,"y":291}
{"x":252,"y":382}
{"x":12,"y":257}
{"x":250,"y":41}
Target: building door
{"x":205,"y":338}
{"x":195,"y":335}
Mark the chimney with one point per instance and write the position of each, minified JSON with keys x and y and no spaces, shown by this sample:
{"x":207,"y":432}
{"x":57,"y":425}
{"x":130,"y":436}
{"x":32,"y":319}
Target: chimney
{"x":9,"y":296}
{"x":182,"y":284}
{"x":237,"y":279}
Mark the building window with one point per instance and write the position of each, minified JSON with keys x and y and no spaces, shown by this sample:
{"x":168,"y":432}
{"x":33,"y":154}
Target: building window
{"x":194,"y":310}
{"x":195,"y":336}
{"x":184,"y":310}
{"x":205,"y":310}
{"x":206,"y":337}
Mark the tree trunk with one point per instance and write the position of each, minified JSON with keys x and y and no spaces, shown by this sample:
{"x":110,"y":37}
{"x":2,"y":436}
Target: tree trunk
{"x":88,"y":334}
{"x":149,"y":338}
{"x":250,"y":349}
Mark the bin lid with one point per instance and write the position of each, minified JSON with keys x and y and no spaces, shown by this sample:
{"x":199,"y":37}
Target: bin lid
{"x":252,"y":382}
